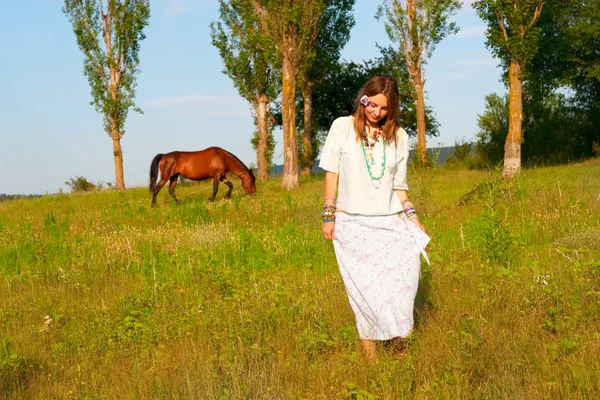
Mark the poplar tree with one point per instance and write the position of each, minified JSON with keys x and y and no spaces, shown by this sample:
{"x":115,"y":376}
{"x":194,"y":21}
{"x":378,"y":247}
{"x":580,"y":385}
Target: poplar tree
{"x":109,"y":37}
{"x":333,"y":34}
{"x":251,"y":63}
{"x":512,"y":37}
{"x":418,"y":26}
{"x":294,"y":26}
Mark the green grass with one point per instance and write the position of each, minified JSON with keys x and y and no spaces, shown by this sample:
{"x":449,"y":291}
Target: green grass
{"x":242,"y":299}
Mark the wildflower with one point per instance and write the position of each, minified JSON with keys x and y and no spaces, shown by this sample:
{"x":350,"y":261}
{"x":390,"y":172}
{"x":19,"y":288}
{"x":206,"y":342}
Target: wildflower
{"x":47,"y":322}
{"x":365,"y":100}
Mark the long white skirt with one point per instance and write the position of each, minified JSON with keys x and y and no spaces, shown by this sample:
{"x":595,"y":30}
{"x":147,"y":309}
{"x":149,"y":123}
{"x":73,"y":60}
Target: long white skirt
{"x":379,"y":260}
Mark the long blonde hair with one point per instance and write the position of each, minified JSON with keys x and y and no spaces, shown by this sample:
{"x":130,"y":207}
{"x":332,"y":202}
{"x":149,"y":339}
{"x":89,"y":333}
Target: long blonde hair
{"x":387,"y":86}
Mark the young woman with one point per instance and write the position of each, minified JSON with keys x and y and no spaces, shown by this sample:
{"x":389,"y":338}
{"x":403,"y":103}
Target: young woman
{"x":376,"y":234}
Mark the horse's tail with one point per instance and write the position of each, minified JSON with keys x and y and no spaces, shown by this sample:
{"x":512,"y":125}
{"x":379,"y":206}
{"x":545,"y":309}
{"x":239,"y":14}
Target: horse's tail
{"x":154,"y":171}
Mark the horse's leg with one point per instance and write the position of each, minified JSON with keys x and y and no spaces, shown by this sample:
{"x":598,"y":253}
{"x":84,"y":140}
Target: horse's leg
{"x":229,"y":185}
{"x":157,"y":188}
{"x":172,"y":185}
{"x":215,"y":188}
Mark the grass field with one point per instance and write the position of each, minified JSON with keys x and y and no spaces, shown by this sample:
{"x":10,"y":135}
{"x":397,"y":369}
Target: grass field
{"x":103,"y":297}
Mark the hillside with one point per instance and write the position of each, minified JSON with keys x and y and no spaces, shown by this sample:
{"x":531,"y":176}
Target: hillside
{"x":104,"y":297}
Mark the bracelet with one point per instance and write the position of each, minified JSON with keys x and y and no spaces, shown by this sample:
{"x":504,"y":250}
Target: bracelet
{"x":328,"y":214}
{"x":329,"y":198}
{"x":329,"y":219}
{"x":410,"y":214}
{"x":409,"y":209}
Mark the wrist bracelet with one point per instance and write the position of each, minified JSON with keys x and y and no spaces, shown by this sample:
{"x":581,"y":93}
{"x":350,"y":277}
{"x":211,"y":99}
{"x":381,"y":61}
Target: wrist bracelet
{"x":411,"y":215}
{"x":328,"y":214}
{"x":406,"y":204}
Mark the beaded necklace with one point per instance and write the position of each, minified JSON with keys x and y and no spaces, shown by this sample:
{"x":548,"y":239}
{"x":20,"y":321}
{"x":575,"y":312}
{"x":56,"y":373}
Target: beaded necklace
{"x":370,"y":160}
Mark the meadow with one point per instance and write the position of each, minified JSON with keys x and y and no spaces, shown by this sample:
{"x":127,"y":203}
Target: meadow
{"x":103,"y":297}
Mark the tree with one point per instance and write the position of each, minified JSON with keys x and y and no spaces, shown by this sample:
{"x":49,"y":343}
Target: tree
{"x":110,"y":41}
{"x":294,"y":26}
{"x":568,"y":63}
{"x":493,"y":125}
{"x":418,"y":26}
{"x":335,"y":94}
{"x":333,"y":34}
{"x":393,"y":63}
{"x":512,"y":36}
{"x":251,"y":63}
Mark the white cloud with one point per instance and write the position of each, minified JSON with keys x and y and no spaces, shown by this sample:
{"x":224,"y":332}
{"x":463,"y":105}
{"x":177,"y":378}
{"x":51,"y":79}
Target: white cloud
{"x":214,"y":105}
{"x":471,"y":31}
{"x":175,"y":7}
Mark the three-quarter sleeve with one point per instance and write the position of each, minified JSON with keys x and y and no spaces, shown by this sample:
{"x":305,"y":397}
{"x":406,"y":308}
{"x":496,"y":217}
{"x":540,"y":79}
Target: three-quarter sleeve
{"x":401,"y":160}
{"x":330,"y":156}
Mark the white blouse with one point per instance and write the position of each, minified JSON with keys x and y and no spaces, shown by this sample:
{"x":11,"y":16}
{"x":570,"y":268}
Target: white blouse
{"x":357,"y":192}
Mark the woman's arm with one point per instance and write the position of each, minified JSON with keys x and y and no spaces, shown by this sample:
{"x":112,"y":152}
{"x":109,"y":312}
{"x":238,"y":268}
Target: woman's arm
{"x":331,"y":181}
{"x":403,"y":196}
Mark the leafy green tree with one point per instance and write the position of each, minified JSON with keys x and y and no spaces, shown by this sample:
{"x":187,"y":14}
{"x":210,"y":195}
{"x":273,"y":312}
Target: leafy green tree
{"x":418,"y":26}
{"x":335,"y":94}
{"x":513,"y":37}
{"x":393,"y":63}
{"x":251,"y":62}
{"x":333,"y":34}
{"x":109,"y":38}
{"x":294,"y":27}
{"x":493,"y":125}
{"x":564,"y":83}
{"x":258,"y":142}
{"x":561,"y":100}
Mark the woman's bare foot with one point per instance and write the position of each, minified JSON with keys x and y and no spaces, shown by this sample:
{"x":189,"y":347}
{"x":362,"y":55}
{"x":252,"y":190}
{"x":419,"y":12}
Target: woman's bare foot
{"x":370,"y":350}
{"x":400,"y":354}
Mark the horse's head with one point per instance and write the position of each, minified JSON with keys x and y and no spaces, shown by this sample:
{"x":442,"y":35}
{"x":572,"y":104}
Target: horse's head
{"x":249,"y":182}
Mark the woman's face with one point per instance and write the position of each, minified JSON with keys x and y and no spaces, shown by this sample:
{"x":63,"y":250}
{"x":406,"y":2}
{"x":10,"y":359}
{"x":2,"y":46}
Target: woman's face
{"x":378,"y":109}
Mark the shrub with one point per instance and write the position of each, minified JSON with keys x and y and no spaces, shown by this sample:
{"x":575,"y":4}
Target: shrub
{"x":80,"y":184}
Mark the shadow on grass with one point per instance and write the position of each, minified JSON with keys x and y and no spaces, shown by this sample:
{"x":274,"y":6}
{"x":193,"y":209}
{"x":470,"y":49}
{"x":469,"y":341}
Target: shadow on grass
{"x":423,"y":303}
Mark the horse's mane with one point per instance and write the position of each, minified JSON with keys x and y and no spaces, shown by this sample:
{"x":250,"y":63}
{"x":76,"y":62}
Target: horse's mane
{"x":241,"y":162}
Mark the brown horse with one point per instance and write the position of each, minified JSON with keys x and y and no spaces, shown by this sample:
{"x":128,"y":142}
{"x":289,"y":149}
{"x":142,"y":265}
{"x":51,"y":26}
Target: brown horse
{"x":213,"y":162}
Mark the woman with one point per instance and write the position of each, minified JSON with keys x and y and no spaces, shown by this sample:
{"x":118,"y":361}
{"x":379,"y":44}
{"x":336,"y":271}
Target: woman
{"x":375,"y":231}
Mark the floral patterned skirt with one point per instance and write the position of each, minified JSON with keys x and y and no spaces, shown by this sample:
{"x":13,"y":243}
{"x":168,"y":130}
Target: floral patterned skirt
{"x":379,"y":260}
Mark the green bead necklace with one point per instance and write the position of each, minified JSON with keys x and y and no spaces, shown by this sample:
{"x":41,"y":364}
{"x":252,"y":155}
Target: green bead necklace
{"x":367,"y":161}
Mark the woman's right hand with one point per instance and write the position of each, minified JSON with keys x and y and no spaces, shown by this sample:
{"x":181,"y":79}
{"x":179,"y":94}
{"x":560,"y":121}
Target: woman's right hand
{"x":328,"y":228}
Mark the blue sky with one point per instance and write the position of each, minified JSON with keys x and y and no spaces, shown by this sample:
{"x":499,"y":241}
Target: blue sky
{"x":49,"y":132}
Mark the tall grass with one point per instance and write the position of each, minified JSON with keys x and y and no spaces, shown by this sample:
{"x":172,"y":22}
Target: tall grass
{"x":102,"y":296}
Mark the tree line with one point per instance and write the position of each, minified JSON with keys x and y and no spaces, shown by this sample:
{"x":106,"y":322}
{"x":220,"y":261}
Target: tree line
{"x":549,"y":52}
{"x":283,"y":58}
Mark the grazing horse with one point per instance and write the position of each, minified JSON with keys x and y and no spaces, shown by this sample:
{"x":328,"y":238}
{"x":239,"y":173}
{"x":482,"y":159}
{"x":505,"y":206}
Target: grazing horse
{"x":213,"y":162}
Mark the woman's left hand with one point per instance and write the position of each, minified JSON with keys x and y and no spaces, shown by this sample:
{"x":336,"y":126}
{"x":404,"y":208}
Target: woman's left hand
{"x":418,"y":224}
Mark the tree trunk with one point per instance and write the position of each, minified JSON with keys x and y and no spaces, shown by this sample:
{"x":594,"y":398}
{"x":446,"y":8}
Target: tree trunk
{"x":263,"y":136}
{"x":512,"y":146}
{"x":421,"y":126}
{"x":308,"y":129}
{"x":118,"y":154}
{"x":289,"y":72}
